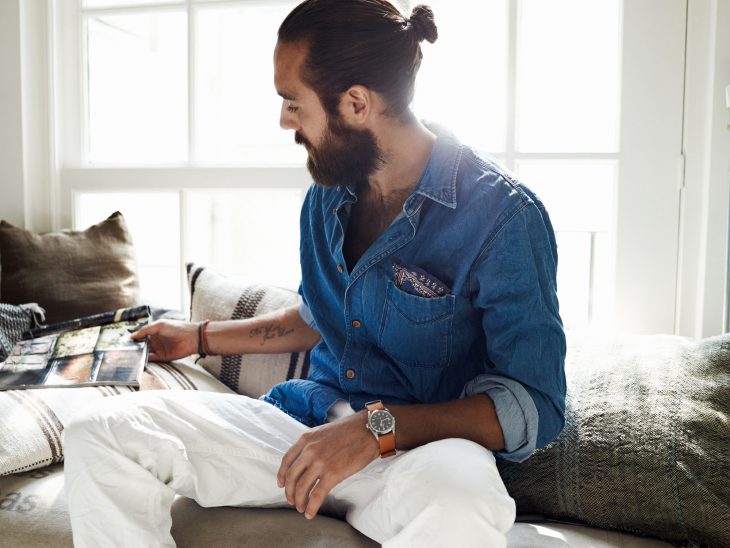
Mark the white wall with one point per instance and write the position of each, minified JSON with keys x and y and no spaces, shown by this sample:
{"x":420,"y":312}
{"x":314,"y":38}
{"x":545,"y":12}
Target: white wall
{"x":704,"y":215}
{"x":25,"y":135}
{"x":12,"y":193}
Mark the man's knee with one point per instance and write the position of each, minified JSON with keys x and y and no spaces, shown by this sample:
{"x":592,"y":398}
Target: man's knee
{"x":458,"y":479}
{"x":92,"y":424}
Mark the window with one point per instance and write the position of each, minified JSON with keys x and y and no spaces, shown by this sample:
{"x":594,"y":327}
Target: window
{"x":176,"y":104}
{"x":529,"y":99}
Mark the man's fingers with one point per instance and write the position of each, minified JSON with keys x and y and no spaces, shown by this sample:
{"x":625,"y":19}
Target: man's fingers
{"x":287,"y":461}
{"x":142,"y":332}
{"x":304,"y":486}
{"x":317,"y":496}
{"x":295,"y":471}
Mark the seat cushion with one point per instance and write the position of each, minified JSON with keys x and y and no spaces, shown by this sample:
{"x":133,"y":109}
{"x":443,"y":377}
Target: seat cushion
{"x":33,"y":515}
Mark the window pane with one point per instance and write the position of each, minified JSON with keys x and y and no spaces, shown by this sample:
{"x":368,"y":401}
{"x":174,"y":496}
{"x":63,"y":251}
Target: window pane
{"x":578,"y":194}
{"x":237,"y":106}
{"x":579,"y":197}
{"x":573,"y":277}
{"x":462,"y":83}
{"x":253,"y":233}
{"x":153,"y":219}
{"x":568,"y":76}
{"x":125,"y":3}
{"x":138,"y":88}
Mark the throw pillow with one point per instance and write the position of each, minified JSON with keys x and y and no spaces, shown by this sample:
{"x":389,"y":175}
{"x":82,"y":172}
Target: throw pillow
{"x":70,"y":273}
{"x":14,"y":321}
{"x":645,"y":448}
{"x":214,"y":296}
{"x":30,"y":432}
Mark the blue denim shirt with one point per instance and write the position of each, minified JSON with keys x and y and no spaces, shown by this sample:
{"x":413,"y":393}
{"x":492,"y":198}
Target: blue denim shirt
{"x":496,"y":330}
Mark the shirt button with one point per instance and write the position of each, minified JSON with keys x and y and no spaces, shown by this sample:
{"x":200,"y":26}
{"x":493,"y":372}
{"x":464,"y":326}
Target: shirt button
{"x":350,"y":374}
{"x":340,"y":268}
{"x":334,"y":210}
{"x":356,"y":324}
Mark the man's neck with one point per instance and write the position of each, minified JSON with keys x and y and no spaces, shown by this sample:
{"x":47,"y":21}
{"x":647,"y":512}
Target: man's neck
{"x":406,"y":150}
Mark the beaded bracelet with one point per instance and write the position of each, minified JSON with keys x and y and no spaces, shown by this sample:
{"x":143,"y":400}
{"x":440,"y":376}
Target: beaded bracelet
{"x":202,"y":346}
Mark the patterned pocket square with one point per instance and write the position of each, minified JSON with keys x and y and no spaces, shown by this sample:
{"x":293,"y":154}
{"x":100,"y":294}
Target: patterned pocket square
{"x":415,"y":281}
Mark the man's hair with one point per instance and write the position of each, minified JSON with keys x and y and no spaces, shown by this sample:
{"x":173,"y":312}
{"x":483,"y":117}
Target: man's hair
{"x":365,"y":42}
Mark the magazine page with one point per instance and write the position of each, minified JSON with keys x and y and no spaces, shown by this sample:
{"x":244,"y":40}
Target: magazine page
{"x":79,"y":353}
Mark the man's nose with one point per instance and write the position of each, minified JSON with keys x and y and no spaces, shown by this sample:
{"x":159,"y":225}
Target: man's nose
{"x":287,"y":120}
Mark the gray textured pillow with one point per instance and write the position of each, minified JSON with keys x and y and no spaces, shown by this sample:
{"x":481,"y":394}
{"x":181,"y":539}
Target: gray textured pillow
{"x":646,"y":447}
{"x":214,"y":296}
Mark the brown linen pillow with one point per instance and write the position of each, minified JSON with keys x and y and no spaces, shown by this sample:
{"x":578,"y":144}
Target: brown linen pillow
{"x":69,"y":273}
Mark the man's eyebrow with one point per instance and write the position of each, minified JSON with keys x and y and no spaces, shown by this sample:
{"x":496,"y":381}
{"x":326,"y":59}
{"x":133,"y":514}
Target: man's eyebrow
{"x":285,"y":96}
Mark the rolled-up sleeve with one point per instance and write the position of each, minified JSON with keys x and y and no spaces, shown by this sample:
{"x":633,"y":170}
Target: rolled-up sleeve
{"x":516,"y":413}
{"x":304,"y":311}
{"x":515,"y":280}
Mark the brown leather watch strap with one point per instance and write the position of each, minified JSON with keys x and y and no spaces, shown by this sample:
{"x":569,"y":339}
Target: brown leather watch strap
{"x":387,"y":444}
{"x":387,"y":441}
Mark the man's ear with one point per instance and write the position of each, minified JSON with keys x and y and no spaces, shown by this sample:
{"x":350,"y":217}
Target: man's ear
{"x":356,"y":105}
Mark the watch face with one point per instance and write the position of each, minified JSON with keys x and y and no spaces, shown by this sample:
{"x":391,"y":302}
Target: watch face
{"x":381,"y":422}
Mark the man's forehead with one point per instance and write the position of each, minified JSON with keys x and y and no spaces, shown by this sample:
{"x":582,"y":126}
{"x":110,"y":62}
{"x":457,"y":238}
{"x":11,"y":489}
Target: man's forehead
{"x":288,"y":59}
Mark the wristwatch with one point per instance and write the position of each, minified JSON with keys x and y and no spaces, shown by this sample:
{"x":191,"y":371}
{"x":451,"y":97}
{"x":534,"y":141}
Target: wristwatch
{"x":382,"y":424}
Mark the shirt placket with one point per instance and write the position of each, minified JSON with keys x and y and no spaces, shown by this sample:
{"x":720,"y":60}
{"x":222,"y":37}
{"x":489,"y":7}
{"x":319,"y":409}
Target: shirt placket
{"x":358,"y":325}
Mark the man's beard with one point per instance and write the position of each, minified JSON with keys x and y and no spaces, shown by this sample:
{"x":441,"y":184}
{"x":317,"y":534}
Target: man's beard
{"x":346,"y":156}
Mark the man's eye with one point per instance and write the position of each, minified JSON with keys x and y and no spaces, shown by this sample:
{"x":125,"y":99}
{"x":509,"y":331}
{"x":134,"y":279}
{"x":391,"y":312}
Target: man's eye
{"x":292,"y":108}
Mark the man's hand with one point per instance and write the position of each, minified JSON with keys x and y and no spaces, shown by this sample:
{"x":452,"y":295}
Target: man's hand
{"x":322,"y":458}
{"x":169,"y":340}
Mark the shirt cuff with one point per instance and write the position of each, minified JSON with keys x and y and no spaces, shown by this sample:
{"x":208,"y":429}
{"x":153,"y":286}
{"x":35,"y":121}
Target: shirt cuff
{"x":339,"y":410}
{"x":516,"y":412}
{"x":306,"y":315}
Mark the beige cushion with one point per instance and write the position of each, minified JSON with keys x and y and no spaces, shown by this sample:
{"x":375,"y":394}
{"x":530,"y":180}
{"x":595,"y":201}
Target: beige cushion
{"x":214,"y":296}
{"x":33,"y":515}
{"x":33,"y":420}
{"x":70,"y":273}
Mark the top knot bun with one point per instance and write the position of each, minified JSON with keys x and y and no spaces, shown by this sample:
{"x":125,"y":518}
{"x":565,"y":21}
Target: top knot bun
{"x":423,"y":23}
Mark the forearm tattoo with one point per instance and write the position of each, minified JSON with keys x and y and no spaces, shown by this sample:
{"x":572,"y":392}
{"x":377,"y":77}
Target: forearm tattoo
{"x":270,"y":331}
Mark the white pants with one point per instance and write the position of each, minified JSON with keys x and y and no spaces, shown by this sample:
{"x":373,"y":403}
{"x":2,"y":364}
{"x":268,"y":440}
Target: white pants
{"x":128,"y":457}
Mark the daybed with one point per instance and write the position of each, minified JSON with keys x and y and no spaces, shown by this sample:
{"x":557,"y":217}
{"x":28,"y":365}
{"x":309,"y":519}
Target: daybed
{"x":642,"y":462}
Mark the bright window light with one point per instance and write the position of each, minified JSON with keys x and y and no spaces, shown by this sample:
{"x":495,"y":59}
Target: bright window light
{"x":153,"y":220}
{"x":463,"y":78}
{"x":137,"y":88}
{"x":579,"y":195}
{"x":236,"y":103}
{"x":568,"y":76}
{"x":253,"y":233}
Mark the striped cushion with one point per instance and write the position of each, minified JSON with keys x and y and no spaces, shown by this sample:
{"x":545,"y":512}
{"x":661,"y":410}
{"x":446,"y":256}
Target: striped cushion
{"x":33,"y":420}
{"x":214,"y":296}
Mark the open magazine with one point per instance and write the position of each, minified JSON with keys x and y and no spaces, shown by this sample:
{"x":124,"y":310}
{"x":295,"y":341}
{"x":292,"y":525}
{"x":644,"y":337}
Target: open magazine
{"x":89,"y":351}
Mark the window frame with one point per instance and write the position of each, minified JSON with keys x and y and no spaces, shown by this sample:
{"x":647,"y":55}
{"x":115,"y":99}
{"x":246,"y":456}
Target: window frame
{"x":660,"y":310}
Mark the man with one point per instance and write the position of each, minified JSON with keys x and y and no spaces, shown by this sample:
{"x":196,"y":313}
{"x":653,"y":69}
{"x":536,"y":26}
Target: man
{"x":429,"y":302}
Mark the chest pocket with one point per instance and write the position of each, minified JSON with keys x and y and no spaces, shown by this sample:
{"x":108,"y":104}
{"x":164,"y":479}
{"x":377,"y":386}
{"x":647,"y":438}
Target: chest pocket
{"x":416,"y":331}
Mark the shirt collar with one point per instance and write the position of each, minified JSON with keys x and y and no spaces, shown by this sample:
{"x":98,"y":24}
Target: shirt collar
{"x":438,"y":181}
